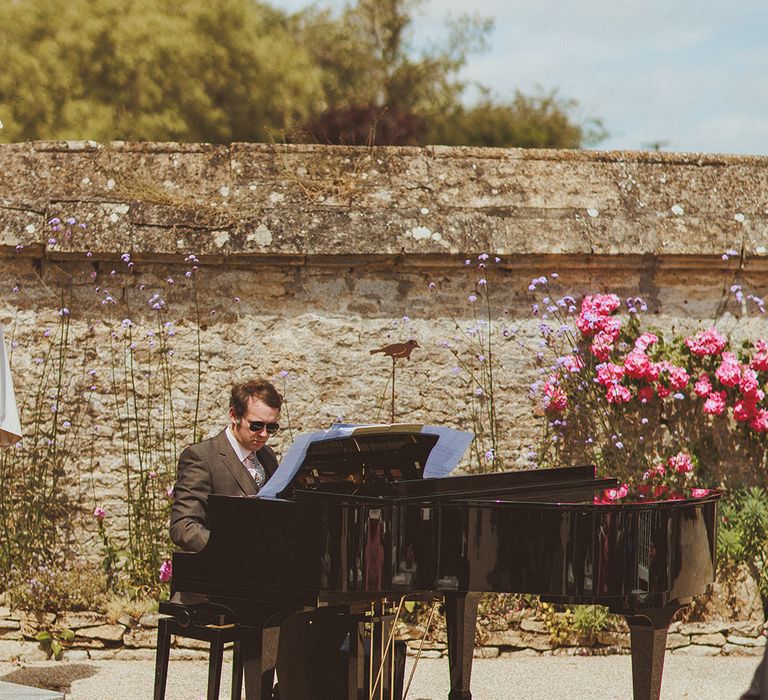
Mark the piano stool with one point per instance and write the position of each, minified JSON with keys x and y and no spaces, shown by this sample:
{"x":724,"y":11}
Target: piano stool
{"x":217,"y":636}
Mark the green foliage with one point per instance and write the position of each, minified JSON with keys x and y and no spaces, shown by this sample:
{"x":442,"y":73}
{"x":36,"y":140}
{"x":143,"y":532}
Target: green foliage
{"x":379,"y":91}
{"x":35,"y":508}
{"x":538,"y":121}
{"x":742,"y":537}
{"x":52,"y":641}
{"x":77,"y":585}
{"x":117,"y":379}
{"x":151,"y":70}
{"x":366,"y":57}
{"x":239,"y":70}
{"x":577,"y":624}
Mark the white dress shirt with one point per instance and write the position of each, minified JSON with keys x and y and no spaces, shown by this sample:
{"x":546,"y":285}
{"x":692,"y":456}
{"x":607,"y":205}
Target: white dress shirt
{"x":242,"y":453}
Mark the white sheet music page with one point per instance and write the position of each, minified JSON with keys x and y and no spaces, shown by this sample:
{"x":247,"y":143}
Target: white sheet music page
{"x":445,"y":455}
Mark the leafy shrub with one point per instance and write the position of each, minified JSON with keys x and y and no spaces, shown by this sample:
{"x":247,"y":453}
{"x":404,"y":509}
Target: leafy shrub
{"x":578,"y":624}
{"x":742,"y":537}
{"x":79,"y":586}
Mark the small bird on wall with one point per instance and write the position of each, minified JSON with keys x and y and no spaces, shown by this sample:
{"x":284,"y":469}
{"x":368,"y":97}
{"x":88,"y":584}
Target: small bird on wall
{"x":398,"y":350}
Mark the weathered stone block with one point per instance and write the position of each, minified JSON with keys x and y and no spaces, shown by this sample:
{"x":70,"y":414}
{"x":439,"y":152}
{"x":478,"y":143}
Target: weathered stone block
{"x":715,"y":639}
{"x":140,"y":638}
{"x":22,"y":651}
{"x":105,"y":633}
{"x":697,"y":650}
{"x":757,"y":642}
{"x":77,"y":620}
{"x":675,"y":640}
{"x":485,"y":652}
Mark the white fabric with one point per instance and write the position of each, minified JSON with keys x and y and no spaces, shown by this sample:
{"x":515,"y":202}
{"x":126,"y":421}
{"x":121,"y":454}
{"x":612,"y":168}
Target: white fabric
{"x":10,"y":429}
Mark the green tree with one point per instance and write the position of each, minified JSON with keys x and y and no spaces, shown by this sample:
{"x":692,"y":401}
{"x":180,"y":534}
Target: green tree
{"x":184,"y":70}
{"x":378,"y":89}
{"x":367,"y":56}
{"x":539,"y":121}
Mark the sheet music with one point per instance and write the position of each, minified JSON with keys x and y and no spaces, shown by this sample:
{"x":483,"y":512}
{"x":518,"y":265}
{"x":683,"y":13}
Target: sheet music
{"x":447,"y":452}
{"x":445,"y":455}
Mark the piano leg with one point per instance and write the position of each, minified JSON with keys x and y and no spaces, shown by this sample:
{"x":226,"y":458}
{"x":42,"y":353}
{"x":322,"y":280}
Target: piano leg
{"x":461,"y":620}
{"x":258,"y":648}
{"x":648,"y":636}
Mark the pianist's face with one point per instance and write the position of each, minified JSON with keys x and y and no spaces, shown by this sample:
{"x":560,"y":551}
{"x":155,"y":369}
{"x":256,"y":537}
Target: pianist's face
{"x":257,"y":411}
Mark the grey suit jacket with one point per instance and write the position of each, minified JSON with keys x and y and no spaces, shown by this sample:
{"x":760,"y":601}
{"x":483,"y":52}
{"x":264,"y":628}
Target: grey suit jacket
{"x":207,"y":467}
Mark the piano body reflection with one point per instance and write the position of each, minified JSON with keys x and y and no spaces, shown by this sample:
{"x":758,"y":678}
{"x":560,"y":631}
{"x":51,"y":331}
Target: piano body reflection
{"x":358,"y":524}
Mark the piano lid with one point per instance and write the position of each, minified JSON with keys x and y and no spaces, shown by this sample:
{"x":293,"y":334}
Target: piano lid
{"x":365,"y":454}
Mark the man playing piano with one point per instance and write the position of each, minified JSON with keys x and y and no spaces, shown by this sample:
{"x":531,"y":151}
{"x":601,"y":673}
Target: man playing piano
{"x":238,"y":462}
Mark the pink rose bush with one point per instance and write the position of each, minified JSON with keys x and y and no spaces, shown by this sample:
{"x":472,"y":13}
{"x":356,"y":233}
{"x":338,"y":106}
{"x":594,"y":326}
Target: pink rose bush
{"x":652,"y":411}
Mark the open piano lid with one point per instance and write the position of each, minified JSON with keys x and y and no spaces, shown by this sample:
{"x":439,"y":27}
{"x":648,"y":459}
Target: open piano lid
{"x":356,"y":458}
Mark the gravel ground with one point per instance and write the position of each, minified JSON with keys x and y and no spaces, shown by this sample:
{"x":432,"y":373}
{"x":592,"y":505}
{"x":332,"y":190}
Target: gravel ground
{"x":523,"y":677}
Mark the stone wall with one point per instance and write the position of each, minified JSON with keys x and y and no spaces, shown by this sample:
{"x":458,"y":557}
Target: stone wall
{"x":307,"y":257}
{"x":127,"y":638}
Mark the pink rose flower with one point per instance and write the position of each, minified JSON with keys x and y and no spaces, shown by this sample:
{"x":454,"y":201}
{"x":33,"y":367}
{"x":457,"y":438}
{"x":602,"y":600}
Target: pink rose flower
{"x":653,"y":371}
{"x":708,"y":342}
{"x":166,"y":571}
{"x":618,"y":394}
{"x":617,"y":493}
{"x":645,"y":394}
{"x":681,"y":463}
{"x":744,"y":410}
{"x":729,"y":371}
{"x":657,"y":471}
{"x":759,"y":360}
{"x":748,"y":382}
{"x":99,"y":513}
{"x":586,"y":322}
{"x":715,"y":403}
{"x":663,"y":391}
{"x":637,"y":364}
{"x":759,"y":422}
{"x":609,"y":373}
{"x":555,"y":398}
{"x":699,"y":493}
{"x":703,"y":387}
{"x":601,"y":304}
{"x":645,"y":340}
{"x":678,"y":377}
{"x":595,"y":313}
{"x":611,"y":326}
{"x":601,"y":347}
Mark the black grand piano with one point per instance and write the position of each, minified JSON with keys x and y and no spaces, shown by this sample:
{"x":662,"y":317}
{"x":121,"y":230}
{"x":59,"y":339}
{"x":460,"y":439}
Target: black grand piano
{"x":358,"y":525}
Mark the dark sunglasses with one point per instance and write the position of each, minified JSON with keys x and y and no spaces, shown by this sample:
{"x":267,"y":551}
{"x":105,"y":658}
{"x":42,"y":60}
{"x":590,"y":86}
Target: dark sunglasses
{"x":258,"y":425}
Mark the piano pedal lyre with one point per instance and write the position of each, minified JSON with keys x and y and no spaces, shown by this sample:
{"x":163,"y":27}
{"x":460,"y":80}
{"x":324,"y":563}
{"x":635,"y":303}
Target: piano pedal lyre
{"x":384,"y":616}
{"x":385,"y":619}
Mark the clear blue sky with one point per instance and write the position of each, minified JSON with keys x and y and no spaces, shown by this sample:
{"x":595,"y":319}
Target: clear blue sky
{"x":691,"y":74}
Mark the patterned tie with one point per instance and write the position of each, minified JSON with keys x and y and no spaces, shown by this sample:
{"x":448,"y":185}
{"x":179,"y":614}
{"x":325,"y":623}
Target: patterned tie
{"x":260,"y":475}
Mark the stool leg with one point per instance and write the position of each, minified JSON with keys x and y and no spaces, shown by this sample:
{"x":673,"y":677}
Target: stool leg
{"x":237,"y":672}
{"x":214,"y":667}
{"x":161,"y":658}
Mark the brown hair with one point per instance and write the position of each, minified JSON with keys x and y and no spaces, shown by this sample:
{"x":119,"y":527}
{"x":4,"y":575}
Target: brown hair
{"x":255,"y":388}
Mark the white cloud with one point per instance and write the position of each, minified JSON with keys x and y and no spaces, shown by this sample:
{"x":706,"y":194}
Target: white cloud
{"x":690,"y":72}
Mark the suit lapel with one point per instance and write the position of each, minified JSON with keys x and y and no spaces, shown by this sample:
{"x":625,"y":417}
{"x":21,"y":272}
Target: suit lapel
{"x":235,"y":466}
